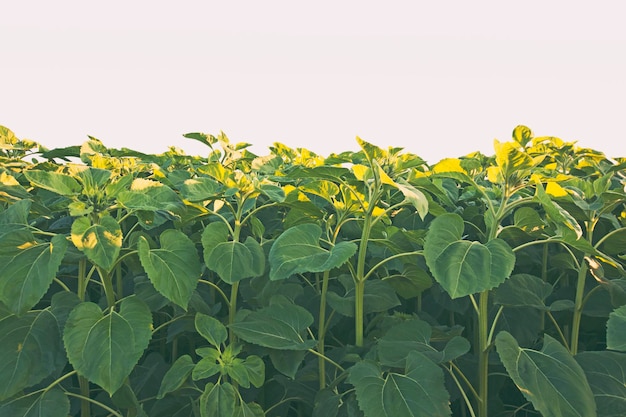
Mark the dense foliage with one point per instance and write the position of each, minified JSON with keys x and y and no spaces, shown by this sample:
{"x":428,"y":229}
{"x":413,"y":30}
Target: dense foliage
{"x":362,"y":284}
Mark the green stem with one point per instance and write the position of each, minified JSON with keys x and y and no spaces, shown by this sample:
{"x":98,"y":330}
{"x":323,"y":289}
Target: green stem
{"x":578,"y":307}
{"x":359,"y":281}
{"x":326,"y":358}
{"x":98,"y":403}
{"x":107,"y":283}
{"x":232,"y":310}
{"x":322,"y":330}
{"x":483,"y":353}
{"x":85,"y":409}
{"x":465,"y":398}
{"x":218,"y":289}
{"x":82,"y":278}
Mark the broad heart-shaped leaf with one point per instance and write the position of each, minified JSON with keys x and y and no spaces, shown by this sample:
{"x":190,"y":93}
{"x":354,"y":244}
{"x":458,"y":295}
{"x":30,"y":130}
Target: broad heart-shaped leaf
{"x":200,"y":189}
{"x":211,"y":329}
{"x":606,"y":373}
{"x":105,"y":348}
{"x":616,"y":330}
{"x":218,"y":400}
{"x":551,"y":379}
{"x":465,"y":267}
{"x":378,"y":296}
{"x":176,"y":376}
{"x":53,"y":403}
{"x":234,"y":261}
{"x":414,"y":335}
{"x":53,"y":181}
{"x":212,"y":235}
{"x":278,"y":326}
{"x":420,"y":392}
{"x":523,"y":290}
{"x":298,"y":250}
{"x":27,"y":268}
{"x":101,"y":242}
{"x":30,"y":348}
{"x":174,"y":269}
{"x":150,"y":195}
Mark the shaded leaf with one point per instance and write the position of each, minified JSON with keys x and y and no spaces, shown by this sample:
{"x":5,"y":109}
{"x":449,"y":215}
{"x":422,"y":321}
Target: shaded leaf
{"x":465,"y":267}
{"x":278,"y":326}
{"x":218,"y":400}
{"x":616,"y":330}
{"x":234,"y":261}
{"x":200,"y":189}
{"x":176,"y":375}
{"x":378,"y":296}
{"x":30,"y":348}
{"x":551,"y":379}
{"x":523,"y":290}
{"x":174,"y":269}
{"x":27,"y":268}
{"x":52,"y":403}
{"x":606,"y":373}
{"x":106,"y":348}
{"x":419,"y":392}
{"x":297,"y":250}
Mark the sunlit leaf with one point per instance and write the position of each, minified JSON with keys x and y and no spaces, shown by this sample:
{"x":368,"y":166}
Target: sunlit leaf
{"x":100,"y":242}
{"x":53,"y":181}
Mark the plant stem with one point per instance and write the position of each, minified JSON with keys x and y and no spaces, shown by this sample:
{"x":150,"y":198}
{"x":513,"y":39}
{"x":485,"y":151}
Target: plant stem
{"x":359,"y":281}
{"x":322,"y":330}
{"x":578,"y":307}
{"x":107,"y":283}
{"x":234,"y":289}
{"x":82,"y":278}
{"x":85,"y":408}
{"x":483,"y":352}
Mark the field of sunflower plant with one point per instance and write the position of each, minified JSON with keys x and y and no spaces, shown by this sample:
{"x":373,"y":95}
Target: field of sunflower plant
{"x":364,"y":283}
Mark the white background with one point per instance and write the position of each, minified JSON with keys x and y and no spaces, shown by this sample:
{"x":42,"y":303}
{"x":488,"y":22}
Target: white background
{"x":439,"y":78}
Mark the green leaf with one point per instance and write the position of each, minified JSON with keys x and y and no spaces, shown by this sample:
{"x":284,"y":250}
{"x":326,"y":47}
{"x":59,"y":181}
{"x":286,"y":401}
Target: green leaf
{"x":212,"y":235}
{"x":465,"y":267}
{"x":234,"y":261}
{"x":420,"y":392}
{"x":411,"y":283}
{"x":297,"y":250}
{"x":27,"y":268}
{"x":16,"y":213}
{"x":52,"y":403}
{"x":255,"y":367}
{"x":237,"y":371}
{"x":273,"y":192}
{"x":278,"y":326}
{"x":150,"y":195}
{"x":200,"y":189}
{"x":606,"y":373}
{"x":101,"y":242}
{"x":523,"y":290}
{"x":414,"y":335}
{"x":174,"y":269}
{"x":106,"y":347}
{"x":30,"y":348}
{"x":176,"y":376}
{"x":218,"y":400}
{"x":551,"y":379}
{"x":616,"y":330}
{"x":53,"y":181}
{"x":414,"y":197}
{"x":211,"y":329}
{"x":287,"y":362}
{"x":378,"y":296}
{"x":249,"y":410}
{"x":558,"y":214}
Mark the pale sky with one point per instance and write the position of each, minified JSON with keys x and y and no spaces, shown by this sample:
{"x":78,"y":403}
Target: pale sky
{"x":441,"y":79}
